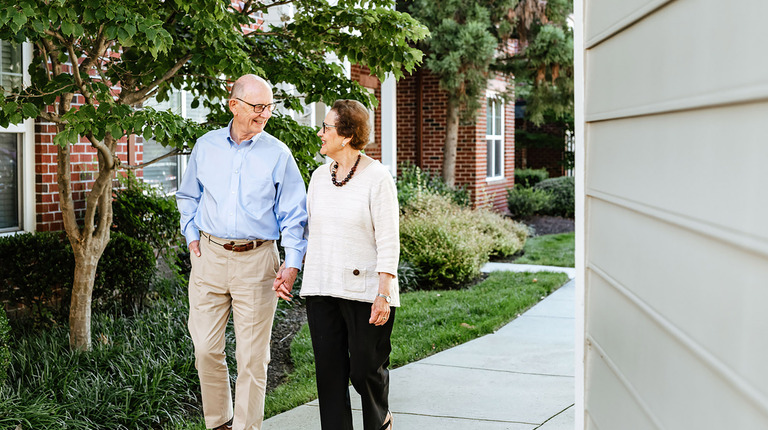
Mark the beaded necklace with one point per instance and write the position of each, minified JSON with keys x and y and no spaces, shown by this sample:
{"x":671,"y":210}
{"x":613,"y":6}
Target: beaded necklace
{"x":349,"y":175}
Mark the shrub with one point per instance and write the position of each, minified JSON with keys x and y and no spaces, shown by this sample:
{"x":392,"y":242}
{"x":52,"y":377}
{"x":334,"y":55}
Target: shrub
{"x":5,"y":352}
{"x":526,"y":202}
{"x":142,"y":212}
{"x":36,"y":274}
{"x":447,"y":245}
{"x":562,"y":195}
{"x":407,"y":277}
{"x":527,"y":178}
{"x":413,"y":181}
{"x":124,"y":275}
{"x":38,"y":269}
{"x":506,"y":236}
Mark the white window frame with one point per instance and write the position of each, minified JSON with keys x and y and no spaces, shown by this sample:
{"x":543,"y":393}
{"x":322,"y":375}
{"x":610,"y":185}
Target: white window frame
{"x":491,"y":156}
{"x":26,"y":159}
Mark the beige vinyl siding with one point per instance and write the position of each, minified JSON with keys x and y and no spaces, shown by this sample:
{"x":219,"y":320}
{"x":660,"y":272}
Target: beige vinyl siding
{"x":675,"y":209}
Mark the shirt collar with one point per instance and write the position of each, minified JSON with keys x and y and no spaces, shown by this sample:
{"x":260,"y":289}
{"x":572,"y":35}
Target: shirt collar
{"x":244,"y":143}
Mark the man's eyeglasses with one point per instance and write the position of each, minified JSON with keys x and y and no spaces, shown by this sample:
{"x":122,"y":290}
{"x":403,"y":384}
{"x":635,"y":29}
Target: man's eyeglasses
{"x":259,"y":108}
{"x":327,"y":126}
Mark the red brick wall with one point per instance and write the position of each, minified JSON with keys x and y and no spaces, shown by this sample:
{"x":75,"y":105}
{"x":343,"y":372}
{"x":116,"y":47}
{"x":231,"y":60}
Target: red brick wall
{"x":471,"y":151}
{"x":84,"y":168}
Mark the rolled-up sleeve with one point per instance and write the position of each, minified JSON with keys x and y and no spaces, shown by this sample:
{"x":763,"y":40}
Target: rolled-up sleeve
{"x":385,"y":215}
{"x":291,"y":212}
{"x":188,"y":199}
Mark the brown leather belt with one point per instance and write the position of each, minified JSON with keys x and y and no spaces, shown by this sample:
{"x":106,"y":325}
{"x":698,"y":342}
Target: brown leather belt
{"x":232,"y":246}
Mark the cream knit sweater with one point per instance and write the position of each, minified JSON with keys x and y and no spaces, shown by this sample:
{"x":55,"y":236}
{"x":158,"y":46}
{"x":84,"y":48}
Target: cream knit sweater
{"x":353,"y":234}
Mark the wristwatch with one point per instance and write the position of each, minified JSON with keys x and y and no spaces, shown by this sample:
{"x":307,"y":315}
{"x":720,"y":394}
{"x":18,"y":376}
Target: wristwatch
{"x":386,"y":297}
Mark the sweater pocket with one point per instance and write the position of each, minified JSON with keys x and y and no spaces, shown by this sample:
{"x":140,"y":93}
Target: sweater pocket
{"x":354,"y":278}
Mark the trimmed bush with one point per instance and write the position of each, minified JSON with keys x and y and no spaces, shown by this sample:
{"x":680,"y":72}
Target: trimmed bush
{"x":413,"y":181}
{"x":526,"y":202}
{"x":38,"y":270}
{"x":124,"y":276}
{"x":506,"y":236}
{"x":36,"y":275}
{"x":5,"y":352}
{"x":527,"y":178}
{"x":448,"y":244}
{"x":562,"y":193}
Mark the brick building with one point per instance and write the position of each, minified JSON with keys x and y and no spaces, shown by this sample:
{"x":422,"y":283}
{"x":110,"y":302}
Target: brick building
{"x":412,"y":130}
{"x":29,"y":198}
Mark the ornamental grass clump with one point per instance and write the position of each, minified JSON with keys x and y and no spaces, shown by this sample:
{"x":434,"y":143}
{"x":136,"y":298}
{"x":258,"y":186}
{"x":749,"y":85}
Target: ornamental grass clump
{"x":448,"y":244}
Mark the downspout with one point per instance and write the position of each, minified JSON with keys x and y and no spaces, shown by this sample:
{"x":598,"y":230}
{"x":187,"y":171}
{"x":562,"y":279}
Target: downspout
{"x":419,"y":122}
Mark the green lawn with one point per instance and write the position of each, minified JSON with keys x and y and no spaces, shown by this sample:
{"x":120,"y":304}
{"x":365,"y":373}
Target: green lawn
{"x":429,"y":322}
{"x":549,"y":250}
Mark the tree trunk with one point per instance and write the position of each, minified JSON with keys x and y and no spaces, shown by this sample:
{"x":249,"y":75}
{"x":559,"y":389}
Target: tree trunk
{"x":80,"y":308}
{"x":451,"y":142}
{"x":88,"y":243}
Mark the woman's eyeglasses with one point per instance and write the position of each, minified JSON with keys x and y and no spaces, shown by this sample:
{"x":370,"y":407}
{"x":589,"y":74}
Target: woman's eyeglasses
{"x":327,"y":126}
{"x":259,"y":108}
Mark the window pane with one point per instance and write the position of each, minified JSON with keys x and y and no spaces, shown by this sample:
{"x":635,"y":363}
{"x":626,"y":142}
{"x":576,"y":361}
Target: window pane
{"x":10,"y":66}
{"x":162,"y":174}
{"x":489,"y":158}
{"x":11,"y":58}
{"x":499,"y":158}
{"x":9,"y":182}
{"x":497,"y":118}
{"x":197,"y":114}
{"x":489,"y":117}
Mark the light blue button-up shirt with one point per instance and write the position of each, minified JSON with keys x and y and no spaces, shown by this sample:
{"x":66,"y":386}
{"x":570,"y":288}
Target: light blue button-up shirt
{"x":248,"y":191}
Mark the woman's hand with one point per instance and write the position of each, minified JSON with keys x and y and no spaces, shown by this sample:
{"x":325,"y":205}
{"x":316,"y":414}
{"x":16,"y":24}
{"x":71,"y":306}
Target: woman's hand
{"x":380,"y":306}
{"x":379,"y":311}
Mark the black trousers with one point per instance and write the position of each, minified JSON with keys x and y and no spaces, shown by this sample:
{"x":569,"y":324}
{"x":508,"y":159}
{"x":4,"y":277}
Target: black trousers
{"x":348,"y":348}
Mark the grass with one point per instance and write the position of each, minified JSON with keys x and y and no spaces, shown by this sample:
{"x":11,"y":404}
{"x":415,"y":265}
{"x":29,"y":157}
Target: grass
{"x":429,"y":322}
{"x":549,"y":250}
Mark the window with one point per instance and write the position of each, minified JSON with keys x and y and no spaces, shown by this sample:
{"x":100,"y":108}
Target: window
{"x":165,"y":174}
{"x":9,"y":182}
{"x":494,"y":138}
{"x":16,"y":173}
{"x":11,"y":73}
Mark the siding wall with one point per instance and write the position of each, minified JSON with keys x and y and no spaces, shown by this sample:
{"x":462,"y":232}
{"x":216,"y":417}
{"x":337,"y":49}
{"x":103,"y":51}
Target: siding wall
{"x":675,"y":210}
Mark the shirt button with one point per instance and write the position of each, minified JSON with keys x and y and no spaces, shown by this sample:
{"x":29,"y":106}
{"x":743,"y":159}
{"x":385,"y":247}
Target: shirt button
{"x":355,"y":272}
{"x":237,"y":171}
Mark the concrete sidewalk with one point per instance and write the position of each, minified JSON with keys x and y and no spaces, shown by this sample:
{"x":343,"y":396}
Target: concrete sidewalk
{"x":519,"y":378}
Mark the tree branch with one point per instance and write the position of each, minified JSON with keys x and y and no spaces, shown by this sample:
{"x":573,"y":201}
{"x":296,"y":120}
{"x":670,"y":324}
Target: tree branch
{"x":149,"y":163}
{"x":133,"y":97}
{"x":109,"y":159}
{"x":76,"y":72}
{"x":66,"y":203}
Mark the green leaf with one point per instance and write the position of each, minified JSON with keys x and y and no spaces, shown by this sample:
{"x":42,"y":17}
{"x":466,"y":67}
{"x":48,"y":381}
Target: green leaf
{"x":29,"y":110}
{"x":10,"y":108}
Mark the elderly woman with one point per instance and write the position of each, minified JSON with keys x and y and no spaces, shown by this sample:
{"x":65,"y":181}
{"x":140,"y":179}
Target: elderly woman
{"x":350,"y":282}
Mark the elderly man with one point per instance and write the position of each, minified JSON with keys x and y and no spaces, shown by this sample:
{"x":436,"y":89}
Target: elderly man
{"x":240,"y":192}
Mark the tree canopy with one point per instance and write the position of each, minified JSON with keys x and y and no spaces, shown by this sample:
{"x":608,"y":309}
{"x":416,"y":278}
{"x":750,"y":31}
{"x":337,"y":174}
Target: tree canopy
{"x":113,"y":55}
{"x":543,"y":69}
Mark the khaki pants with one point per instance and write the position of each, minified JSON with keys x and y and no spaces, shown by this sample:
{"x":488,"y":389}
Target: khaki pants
{"x":224,"y":282}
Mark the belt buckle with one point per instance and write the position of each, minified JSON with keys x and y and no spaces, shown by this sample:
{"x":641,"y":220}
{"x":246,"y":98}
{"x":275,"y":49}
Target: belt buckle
{"x":240,"y":248}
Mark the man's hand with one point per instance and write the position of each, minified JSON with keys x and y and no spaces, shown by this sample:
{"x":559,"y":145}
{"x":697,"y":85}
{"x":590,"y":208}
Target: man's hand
{"x":194,"y":247}
{"x":284,"y":282}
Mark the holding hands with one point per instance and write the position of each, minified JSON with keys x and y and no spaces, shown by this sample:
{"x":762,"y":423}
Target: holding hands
{"x":284,"y":280}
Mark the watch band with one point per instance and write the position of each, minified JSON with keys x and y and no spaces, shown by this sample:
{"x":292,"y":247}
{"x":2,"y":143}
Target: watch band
{"x":386,"y":297}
